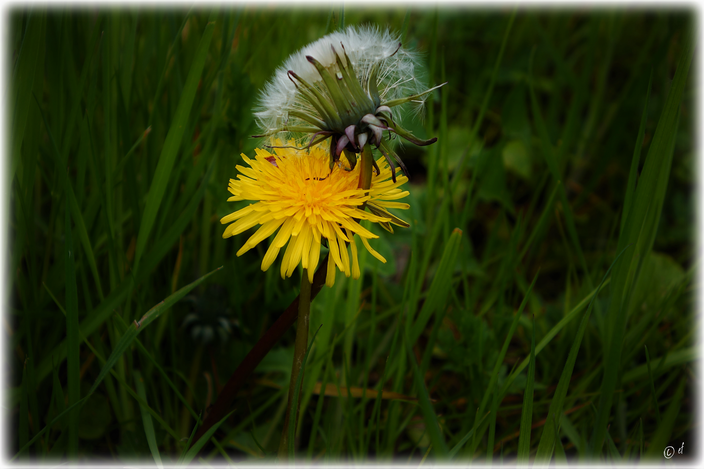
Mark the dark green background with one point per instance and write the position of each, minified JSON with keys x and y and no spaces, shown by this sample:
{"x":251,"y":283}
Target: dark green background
{"x":96,"y":93}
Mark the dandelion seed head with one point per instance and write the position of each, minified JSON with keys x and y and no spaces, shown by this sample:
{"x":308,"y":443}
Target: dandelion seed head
{"x":399,"y":74}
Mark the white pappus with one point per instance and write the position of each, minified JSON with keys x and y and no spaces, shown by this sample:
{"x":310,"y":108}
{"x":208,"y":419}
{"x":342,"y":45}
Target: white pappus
{"x":343,"y":87}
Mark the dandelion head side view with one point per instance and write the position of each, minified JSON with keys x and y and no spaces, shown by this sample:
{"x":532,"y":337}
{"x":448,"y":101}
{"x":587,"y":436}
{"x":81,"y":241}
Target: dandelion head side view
{"x":344,"y":87}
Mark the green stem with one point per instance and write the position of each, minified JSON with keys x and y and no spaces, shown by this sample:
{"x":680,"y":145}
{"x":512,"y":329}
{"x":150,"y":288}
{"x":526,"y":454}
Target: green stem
{"x":365,"y":173}
{"x":298,"y":357}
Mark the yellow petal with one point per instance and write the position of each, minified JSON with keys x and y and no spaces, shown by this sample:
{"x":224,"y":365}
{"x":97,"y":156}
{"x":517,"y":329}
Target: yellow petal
{"x":283,"y":234}
{"x":287,"y":256}
{"x":314,"y":254}
{"x":296,"y":254}
{"x":344,"y":254}
{"x":356,"y":273}
{"x":308,"y":240}
{"x":330,"y":278}
{"x":335,"y":251}
{"x":269,"y":257}
{"x":263,"y":232}
{"x":372,"y":251}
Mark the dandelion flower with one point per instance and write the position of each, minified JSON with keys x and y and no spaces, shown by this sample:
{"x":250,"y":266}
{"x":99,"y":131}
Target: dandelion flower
{"x":342,"y":87}
{"x":296,"y":193}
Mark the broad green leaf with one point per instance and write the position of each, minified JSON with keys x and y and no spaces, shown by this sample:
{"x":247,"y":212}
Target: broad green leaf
{"x":517,"y":159}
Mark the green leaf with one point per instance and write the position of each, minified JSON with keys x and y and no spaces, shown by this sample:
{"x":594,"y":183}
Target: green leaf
{"x":516,"y":159}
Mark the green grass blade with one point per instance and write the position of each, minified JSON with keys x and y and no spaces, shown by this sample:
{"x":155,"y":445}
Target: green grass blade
{"x":431,"y":419}
{"x":548,"y":337}
{"x":640,"y":230}
{"x":560,"y":456}
{"x":188,"y":443}
{"x":635,"y":162}
{"x":527,"y":413}
{"x":72,"y":341}
{"x":656,"y":407}
{"x":138,"y":327}
{"x":547,"y":439}
{"x":193,"y":451}
{"x":661,"y":364}
{"x":41,"y":432}
{"x":89,"y":325}
{"x":542,"y":221}
{"x":490,"y":90}
{"x":439,"y":288}
{"x":551,"y":161}
{"x":173,"y":142}
{"x":613,"y":451}
{"x":455,"y":449}
{"x":664,"y":432}
{"x":24,"y":409}
{"x":169,"y":238}
{"x":147,"y":419}
{"x":23,"y":80}
{"x":294,"y":403}
{"x":504,"y":348}
{"x":60,"y":164}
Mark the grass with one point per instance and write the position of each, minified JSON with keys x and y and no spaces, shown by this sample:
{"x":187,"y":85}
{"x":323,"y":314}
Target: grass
{"x":539,"y":308}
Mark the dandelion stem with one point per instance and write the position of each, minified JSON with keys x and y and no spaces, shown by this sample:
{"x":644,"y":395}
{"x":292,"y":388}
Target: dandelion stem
{"x":365,"y":174}
{"x":299,"y":352}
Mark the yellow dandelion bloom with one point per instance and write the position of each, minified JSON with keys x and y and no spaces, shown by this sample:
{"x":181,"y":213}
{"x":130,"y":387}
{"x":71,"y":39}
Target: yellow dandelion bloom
{"x":296,"y":193}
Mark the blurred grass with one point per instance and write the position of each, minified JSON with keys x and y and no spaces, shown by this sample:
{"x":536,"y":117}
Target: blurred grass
{"x":565,"y":138}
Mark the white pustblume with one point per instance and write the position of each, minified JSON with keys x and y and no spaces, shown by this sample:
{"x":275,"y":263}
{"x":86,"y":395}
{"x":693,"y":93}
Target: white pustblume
{"x":398,"y":74}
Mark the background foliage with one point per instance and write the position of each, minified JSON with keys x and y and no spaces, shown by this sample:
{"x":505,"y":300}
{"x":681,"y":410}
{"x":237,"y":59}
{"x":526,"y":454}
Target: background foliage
{"x":565,"y":139}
